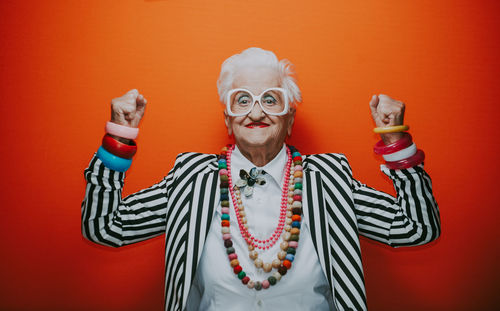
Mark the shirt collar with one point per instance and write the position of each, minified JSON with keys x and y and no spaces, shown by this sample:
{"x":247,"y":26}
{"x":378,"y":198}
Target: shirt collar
{"x":275,"y":168}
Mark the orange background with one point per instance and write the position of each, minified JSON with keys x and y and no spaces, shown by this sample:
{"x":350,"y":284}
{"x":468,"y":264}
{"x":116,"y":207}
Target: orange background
{"x":61,"y":63}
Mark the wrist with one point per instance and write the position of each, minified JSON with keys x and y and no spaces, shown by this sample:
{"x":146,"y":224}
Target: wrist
{"x":122,"y":140}
{"x":390,"y":138}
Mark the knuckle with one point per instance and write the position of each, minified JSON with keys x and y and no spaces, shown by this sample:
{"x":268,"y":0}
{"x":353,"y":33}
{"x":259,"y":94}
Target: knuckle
{"x":115,"y":102}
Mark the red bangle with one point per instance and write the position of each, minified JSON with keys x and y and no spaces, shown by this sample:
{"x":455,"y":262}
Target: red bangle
{"x":412,"y":161}
{"x":117,"y":148}
{"x":404,"y":142}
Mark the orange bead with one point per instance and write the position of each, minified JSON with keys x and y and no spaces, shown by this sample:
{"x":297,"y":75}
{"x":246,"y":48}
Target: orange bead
{"x":297,"y":174}
{"x":287,"y":264}
{"x":234,"y":263}
{"x":295,"y":231}
{"x":296,"y":218}
{"x":225,"y":223}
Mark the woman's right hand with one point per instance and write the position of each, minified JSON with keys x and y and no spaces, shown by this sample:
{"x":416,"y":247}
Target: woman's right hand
{"x":128,"y":109}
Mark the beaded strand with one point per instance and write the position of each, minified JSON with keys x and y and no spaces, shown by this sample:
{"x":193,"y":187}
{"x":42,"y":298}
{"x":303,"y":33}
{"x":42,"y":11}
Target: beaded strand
{"x":240,"y":211}
{"x":292,"y":219}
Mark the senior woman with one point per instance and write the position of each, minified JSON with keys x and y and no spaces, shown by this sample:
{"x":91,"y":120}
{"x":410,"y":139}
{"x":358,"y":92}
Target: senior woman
{"x":260,"y":226}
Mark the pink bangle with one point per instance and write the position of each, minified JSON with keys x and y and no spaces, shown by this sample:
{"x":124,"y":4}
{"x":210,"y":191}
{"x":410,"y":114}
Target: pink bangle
{"x":412,"y":161}
{"x":121,"y":130}
{"x":404,"y":142}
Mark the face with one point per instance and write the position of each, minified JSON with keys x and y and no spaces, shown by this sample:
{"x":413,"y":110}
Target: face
{"x":257,"y":129}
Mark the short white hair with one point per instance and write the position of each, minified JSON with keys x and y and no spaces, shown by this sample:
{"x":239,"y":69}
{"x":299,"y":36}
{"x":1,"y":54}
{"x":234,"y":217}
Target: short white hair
{"x":255,"y":57}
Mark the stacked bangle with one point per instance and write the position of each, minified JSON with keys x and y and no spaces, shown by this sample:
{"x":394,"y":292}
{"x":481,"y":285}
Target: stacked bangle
{"x":391,"y":129}
{"x":113,"y":162}
{"x":118,"y":148}
{"x":121,"y":130}
{"x":114,"y":154}
{"x":400,"y":154}
{"x":412,"y":161}
{"x":404,"y":142}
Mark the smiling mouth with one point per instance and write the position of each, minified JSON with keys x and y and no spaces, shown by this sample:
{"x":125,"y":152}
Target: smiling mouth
{"x":257,"y":125}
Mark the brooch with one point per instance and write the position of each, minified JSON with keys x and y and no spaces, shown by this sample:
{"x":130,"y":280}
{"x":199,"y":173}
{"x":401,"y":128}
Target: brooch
{"x":248,"y":180}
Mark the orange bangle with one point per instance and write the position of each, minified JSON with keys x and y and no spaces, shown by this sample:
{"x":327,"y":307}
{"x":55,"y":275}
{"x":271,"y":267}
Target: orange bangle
{"x":391,"y":129}
{"x":117,"y":148}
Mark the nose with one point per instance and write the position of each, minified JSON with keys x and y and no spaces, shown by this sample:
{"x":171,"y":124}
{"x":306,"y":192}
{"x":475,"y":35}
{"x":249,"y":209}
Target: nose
{"x":256,"y":113}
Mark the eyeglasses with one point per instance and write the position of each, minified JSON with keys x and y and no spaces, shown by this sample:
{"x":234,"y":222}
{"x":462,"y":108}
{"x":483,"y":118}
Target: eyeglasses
{"x":273,"y":101}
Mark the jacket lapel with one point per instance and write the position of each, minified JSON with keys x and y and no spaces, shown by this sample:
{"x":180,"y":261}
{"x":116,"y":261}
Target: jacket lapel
{"x":204,"y":201}
{"x":315,"y":212}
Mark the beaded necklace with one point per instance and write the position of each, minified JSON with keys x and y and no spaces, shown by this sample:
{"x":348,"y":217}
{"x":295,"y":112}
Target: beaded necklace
{"x":240,"y":209}
{"x":290,"y":219}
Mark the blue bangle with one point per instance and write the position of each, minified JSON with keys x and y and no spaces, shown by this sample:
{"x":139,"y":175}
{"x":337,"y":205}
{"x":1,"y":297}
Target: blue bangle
{"x":113,"y":162}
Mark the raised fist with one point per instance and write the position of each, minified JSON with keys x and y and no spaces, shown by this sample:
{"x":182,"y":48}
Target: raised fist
{"x":128,"y":109}
{"x":387,"y":112}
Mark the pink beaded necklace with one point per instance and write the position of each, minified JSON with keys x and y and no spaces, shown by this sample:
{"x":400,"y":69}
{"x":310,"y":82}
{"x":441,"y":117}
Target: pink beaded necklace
{"x":249,"y":238}
{"x":292,"y":221}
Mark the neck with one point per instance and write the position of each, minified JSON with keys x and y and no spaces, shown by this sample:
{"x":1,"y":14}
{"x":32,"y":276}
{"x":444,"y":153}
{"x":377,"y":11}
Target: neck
{"x":260,"y":155}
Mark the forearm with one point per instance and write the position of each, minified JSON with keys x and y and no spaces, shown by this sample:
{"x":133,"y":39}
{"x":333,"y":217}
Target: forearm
{"x":410,"y":219}
{"x":109,"y":220}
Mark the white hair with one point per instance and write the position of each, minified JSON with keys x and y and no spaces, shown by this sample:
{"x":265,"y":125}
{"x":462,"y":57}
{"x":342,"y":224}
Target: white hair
{"x":254,"y":57}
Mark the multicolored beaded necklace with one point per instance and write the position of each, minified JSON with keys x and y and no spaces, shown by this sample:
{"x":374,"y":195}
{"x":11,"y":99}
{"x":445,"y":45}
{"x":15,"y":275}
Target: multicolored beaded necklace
{"x":289,"y":220}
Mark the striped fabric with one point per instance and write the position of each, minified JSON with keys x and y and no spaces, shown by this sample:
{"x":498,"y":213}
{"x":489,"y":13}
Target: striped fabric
{"x":337,"y":207}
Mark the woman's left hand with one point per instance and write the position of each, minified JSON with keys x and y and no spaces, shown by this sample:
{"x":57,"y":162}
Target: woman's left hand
{"x":387,"y":112}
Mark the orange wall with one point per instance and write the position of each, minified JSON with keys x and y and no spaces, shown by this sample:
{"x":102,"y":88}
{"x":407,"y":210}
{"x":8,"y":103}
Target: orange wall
{"x":61,"y":62}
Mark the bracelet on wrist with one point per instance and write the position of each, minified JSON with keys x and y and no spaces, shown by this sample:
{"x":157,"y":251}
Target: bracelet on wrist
{"x":412,"y":161}
{"x":405,"y":142}
{"x":401,"y":154}
{"x":391,"y":129}
{"x":112,"y":161}
{"x":121,"y":130}
{"x":118,"y":148}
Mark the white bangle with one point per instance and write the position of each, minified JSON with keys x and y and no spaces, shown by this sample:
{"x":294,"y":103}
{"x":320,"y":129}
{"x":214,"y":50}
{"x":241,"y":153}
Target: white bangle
{"x":401,"y":154}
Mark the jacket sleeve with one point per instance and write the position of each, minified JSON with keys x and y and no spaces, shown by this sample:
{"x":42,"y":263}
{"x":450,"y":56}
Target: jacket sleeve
{"x":411,"y":218}
{"x":110,"y":220}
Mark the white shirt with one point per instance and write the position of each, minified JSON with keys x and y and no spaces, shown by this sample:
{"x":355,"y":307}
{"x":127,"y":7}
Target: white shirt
{"x":216,"y":287}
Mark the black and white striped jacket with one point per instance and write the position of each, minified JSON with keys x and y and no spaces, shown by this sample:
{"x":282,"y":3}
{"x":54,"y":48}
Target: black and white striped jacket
{"x":336,"y":206}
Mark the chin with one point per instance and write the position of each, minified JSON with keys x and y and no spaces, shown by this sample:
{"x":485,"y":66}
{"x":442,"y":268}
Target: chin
{"x":258,"y":142}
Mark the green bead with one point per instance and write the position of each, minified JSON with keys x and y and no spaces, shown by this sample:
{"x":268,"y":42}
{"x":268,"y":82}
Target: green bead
{"x":298,"y":186}
{"x":294,"y":237}
{"x":224,"y":177}
{"x":290,"y":250}
{"x":224,"y":217}
{"x":222,"y":165}
{"x":241,"y":275}
{"x":258,"y":285}
{"x":224,"y":190}
{"x":297,"y":162}
{"x":224,"y":203}
{"x":230,"y":250}
{"x":272,"y":280}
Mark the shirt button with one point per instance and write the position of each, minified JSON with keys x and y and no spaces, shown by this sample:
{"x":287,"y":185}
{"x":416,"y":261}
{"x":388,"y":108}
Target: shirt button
{"x":259,"y":303}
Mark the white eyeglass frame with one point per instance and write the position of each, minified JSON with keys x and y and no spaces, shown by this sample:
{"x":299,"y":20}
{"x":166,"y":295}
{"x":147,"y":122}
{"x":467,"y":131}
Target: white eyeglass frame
{"x":256,"y":98}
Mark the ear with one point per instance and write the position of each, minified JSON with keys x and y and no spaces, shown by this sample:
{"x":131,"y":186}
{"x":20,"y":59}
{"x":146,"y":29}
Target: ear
{"x":291,"y":119}
{"x":227,"y":120}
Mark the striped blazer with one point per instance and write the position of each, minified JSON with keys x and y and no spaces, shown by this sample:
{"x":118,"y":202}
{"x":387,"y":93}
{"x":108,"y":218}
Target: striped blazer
{"x":336,"y":206}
